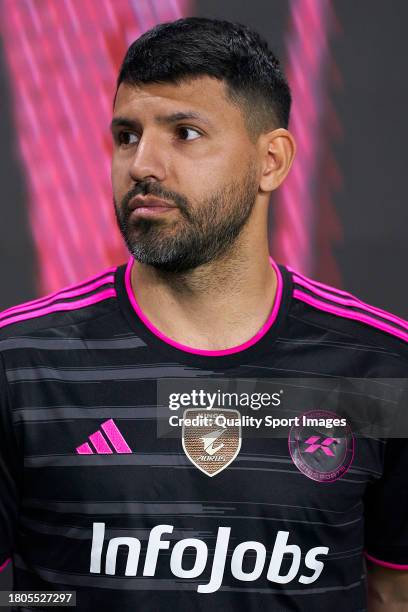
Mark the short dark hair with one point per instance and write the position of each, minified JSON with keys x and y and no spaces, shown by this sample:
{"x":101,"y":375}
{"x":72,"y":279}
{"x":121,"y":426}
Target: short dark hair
{"x":194,"y":46}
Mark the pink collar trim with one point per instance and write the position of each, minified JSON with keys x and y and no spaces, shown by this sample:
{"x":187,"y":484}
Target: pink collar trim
{"x":234,"y":349}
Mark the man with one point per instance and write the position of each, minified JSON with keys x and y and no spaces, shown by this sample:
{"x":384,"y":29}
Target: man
{"x":93,"y":499}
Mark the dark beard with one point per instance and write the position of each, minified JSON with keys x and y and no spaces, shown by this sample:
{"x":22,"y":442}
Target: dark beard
{"x":195,"y":238}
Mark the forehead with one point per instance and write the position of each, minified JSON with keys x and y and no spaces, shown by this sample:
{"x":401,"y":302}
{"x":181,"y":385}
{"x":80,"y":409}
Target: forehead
{"x":203,"y":95}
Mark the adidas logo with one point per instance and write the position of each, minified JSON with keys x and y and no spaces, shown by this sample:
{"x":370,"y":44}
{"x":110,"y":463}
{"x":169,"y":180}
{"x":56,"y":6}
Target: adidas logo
{"x":100,"y":444}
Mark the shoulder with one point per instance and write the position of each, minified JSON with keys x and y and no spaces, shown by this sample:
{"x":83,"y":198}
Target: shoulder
{"x":68,"y":305}
{"x":347,"y":314}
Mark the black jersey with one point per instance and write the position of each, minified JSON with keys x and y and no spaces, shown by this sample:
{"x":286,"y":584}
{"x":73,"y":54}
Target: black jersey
{"x":94,"y":501}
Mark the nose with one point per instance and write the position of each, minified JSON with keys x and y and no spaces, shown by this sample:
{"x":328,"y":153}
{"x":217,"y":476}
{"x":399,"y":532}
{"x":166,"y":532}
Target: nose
{"x":148,"y":160}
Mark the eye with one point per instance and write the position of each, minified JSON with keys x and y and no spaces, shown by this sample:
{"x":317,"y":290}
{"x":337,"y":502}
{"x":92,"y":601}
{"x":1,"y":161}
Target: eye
{"x":185,"y":133}
{"x":126,"y":138}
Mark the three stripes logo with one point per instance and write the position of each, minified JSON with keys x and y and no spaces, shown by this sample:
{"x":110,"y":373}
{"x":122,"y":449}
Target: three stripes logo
{"x":99,"y":444}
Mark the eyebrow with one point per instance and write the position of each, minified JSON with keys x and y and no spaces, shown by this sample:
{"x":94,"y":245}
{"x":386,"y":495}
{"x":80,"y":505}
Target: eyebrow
{"x":160,"y":119}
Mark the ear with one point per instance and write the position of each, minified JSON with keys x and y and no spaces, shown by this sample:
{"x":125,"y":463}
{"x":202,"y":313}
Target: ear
{"x":277,"y":150}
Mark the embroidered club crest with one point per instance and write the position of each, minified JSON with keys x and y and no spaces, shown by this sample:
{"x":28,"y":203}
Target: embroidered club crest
{"x":211,"y":438}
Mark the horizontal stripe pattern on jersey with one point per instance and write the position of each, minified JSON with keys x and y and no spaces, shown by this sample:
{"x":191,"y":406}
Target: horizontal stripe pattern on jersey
{"x":92,"y":500}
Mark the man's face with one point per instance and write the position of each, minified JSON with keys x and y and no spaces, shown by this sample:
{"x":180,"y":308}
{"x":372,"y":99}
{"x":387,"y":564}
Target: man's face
{"x":188,"y":145}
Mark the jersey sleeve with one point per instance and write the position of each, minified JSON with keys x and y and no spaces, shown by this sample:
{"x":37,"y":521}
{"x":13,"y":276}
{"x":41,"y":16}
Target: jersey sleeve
{"x":386,"y":510}
{"x":10,"y":473}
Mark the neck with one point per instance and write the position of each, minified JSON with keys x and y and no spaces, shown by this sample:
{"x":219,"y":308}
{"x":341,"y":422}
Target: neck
{"x":213,"y":307}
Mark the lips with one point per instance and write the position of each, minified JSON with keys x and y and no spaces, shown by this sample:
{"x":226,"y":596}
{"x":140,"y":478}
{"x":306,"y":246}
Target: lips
{"x":148,"y":202}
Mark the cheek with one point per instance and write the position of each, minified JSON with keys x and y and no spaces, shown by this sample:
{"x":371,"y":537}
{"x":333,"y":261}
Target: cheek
{"x":118,"y":173}
{"x":223,"y":169}
{"x":114,"y":169}
{"x":211,"y":172}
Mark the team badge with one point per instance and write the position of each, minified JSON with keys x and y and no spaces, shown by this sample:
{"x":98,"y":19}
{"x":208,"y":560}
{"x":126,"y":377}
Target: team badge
{"x":322,"y":454}
{"x":211,"y":438}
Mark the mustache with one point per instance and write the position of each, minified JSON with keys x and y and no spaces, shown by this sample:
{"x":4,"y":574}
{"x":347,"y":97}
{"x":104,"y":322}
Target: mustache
{"x":144,"y":188}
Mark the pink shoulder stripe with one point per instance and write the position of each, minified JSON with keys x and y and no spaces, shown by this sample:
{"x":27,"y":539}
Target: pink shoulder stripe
{"x":93,"y":299}
{"x":396,"y":566}
{"x":349,"y":314}
{"x":352,"y":301}
{"x":64,"y":293}
{"x":5,"y":564}
{"x":39,"y":301}
{"x":319,"y":284}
